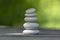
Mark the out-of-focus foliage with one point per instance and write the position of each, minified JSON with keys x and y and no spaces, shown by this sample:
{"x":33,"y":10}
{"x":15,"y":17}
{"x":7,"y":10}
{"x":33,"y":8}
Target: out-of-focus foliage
{"x":49,"y":14}
{"x":12,"y":12}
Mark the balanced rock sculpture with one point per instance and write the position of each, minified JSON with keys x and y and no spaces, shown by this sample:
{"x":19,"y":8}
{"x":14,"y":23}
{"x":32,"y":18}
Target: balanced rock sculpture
{"x":31,"y":25}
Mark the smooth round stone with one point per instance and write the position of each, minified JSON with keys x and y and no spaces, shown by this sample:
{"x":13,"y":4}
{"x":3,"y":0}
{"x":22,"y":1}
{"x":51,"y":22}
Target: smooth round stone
{"x":31,"y":25}
{"x":34,"y":14}
{"x":30,"y":19}
{"x":31,"y":10}
{"x":28,"y":32}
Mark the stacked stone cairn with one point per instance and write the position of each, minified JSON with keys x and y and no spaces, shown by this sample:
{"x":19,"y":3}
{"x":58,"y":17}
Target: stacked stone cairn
{"x":31,"y":25}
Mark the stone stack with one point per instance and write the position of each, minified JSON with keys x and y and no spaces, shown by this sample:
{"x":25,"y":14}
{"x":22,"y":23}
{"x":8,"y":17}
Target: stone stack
{"x":31,"y":25}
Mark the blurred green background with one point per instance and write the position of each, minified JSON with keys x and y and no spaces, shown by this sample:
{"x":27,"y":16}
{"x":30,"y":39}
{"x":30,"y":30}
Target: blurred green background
{"x":12,"y":12}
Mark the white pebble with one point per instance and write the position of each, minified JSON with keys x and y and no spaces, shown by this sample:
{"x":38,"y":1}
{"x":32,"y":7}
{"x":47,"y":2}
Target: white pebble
{"x":31,"y":10}
{"x":28,"y":15}
{"x":30,"y":19}
{"x":31,"y":25}
{"x":31,"y":32}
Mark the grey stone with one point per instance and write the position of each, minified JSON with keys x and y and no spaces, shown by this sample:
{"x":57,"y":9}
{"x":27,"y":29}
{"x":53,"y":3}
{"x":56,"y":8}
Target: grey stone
{"x":30,"y":32}
{"x":33,"y":14}
{"x":30,"y":19}
{"x":31,"y":25}
{"x":31,"y":10}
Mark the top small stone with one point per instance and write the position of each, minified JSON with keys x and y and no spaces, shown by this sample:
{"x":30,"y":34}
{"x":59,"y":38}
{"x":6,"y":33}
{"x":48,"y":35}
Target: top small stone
{"x":31,"y":10}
